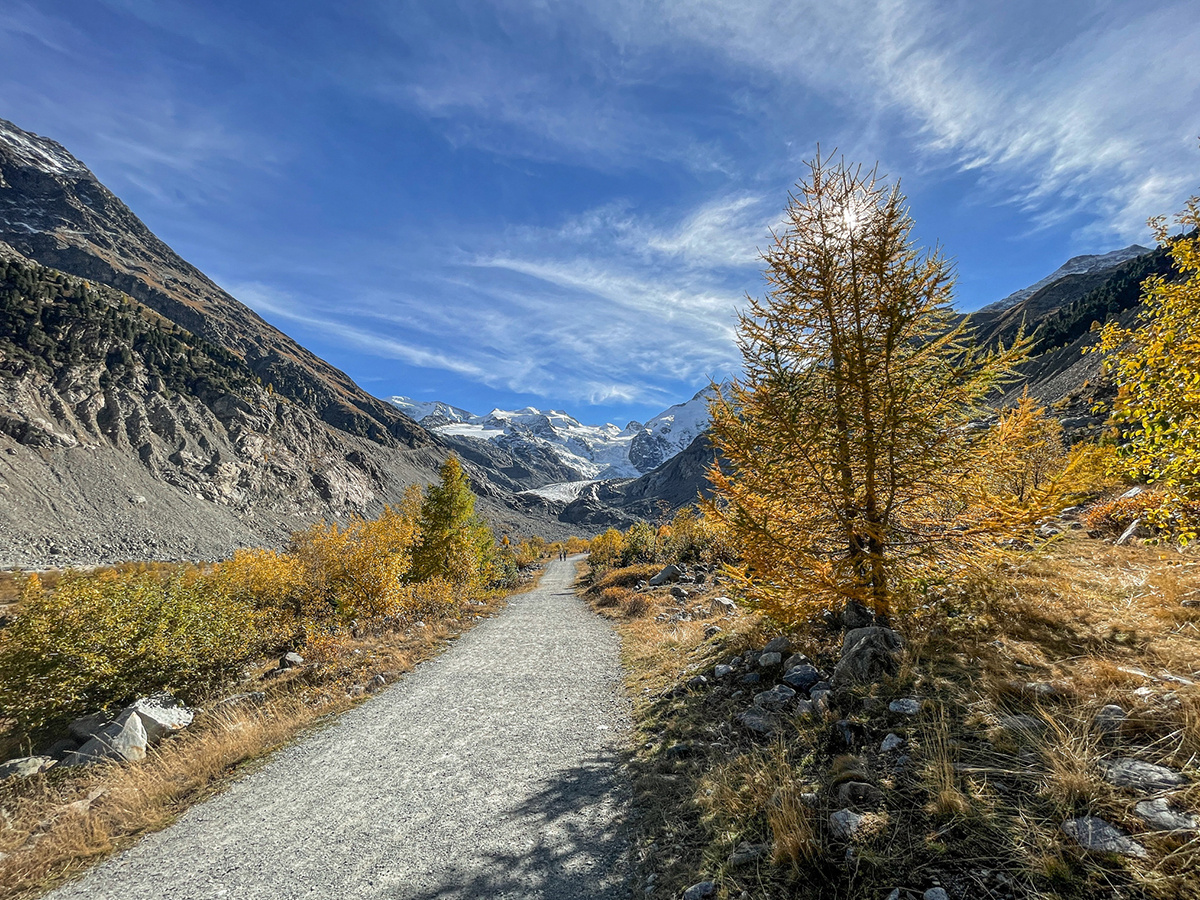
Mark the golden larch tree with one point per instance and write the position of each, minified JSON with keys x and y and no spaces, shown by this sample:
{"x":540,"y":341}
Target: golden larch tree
{"x":844,"y":440}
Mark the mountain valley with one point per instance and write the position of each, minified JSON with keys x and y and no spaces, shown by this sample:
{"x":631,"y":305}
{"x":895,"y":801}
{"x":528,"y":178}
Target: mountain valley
{"x":149,"y":414}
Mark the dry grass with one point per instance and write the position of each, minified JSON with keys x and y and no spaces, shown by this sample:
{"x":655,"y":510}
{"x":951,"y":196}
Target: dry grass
{"x":49,"y":829}
{"x":997,"y":764}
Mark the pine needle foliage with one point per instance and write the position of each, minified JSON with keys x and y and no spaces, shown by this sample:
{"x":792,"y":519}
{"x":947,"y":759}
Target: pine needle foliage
{"x":844,"y":439}
{"x":454,"y":542}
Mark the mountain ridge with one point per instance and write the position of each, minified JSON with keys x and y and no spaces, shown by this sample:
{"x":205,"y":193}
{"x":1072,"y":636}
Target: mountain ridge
{"x":593,"y":452}
{"x":54,"y":211}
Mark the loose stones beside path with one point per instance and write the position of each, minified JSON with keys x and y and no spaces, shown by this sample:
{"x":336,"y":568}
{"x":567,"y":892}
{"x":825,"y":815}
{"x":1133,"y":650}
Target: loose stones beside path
{"x":1139,"y":775}
{"x":1095,"y":834}
{"x":1158,"y":815}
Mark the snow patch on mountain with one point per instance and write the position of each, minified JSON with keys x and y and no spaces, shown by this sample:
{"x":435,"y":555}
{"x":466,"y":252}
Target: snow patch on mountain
{"x":1076,"y":265}
{"x":563,"y":492}
{"x":595,"y":451}
{"x":39,"y":152}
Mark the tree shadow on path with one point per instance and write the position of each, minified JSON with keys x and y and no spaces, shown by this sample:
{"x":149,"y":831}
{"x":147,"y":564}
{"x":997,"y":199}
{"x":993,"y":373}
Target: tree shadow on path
{"x":571,"y":839}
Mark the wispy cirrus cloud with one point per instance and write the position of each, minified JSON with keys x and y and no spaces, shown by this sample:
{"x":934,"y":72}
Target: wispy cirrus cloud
{"x":1095,"y":109}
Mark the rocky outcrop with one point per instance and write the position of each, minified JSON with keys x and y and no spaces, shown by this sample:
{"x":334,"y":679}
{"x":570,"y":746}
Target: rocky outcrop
{"x":125,"y":437}
{"x":53,"y":210}
{"x":868,"y":654}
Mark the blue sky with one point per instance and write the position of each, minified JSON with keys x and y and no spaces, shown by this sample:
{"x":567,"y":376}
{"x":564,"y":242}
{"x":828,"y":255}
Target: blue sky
{"x":558,"y":204}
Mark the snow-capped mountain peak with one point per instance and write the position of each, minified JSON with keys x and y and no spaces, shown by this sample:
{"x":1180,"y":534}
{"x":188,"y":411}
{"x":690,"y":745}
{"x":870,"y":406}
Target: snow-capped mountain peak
{"x":595,"y":451}
{"x":443,"y":413}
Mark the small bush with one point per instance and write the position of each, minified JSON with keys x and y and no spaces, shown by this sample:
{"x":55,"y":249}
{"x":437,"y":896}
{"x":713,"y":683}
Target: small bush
{"x":99,"y":641}
{"x":613,"y":596}
{"x":1111,"y":517}
{"x":635,"y":606}
{"x":606,"y":550}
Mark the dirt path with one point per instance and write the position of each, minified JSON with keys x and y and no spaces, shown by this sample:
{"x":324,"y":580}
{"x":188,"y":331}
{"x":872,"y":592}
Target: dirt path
{"x":492,"y":771}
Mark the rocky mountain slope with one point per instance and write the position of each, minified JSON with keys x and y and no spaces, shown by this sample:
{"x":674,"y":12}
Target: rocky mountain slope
{"x":1076,"y":265}
{"x":54,"y":211}
{"x":146,"y":414}
{"x":1062,"y":317}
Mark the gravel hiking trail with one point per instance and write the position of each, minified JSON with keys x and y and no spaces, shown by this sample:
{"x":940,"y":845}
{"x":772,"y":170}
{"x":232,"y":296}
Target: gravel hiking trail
{"x":493,"y":770}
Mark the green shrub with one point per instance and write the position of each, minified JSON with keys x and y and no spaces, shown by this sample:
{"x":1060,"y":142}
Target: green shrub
{"x":100,"y":641}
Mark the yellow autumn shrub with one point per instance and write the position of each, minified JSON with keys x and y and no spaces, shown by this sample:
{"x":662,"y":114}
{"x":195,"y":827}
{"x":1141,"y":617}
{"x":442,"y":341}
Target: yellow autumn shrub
{"x":100,"y":640}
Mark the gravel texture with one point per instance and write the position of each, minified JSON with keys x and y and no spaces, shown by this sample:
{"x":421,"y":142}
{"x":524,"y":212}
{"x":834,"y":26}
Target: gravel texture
{"x":493,"y":770}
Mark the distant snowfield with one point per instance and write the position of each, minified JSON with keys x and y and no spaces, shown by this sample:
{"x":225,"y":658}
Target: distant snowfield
{"x":563,"y":492}
{"x":595,"y":451}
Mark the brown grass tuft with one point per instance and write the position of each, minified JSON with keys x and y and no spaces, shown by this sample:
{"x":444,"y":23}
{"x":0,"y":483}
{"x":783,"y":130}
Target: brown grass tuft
{"x":51,"y":830}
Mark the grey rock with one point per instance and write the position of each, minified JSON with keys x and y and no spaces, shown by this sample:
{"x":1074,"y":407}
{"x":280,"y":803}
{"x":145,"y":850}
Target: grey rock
{"x":122,"y":740}
{"x":680,"y":593}
{"x":161,"y":716}
{"x":1142,"y":776}
{"x":766,"y":660}
{"x":868,"y":654}
{"x":722,"y":606}
{"x":1159,"y":816}
{"x":935,"y":893}
{"x":845,"y":823}
{"x":894,"y":895}
{"x":25,"y":766}
{"x":665,"y":576}
{"x":722,"y":671}
{"x":1041,"y":690}
{"x":291,"y":660}
{"x":778,"y":645}
{"x":907,"y":706}
{"x":796,"y":659}
{"x":61,"y":748}
{"x":820,"y":699}
{"x":1108,"y":720}
{"x":804,"y":707}
{"x":701,"y":891}
{"x":711,"y":631}
{"x":751,"y":678}
{"x":1095,"y":834}
{"x":774,"y":699}
{"x":855,"y":615}
{"x":696,"y":682}
{"x":747,"y":853}
{"x":859,"y":794}
{"x":1134,"y":531}
{"x":802,"y":677}
{"x":892,"y":742}
{"x":757,"y":720}
{"x":85,"y":727}
{"x":378,"y":683}
{"x":820,"y":686}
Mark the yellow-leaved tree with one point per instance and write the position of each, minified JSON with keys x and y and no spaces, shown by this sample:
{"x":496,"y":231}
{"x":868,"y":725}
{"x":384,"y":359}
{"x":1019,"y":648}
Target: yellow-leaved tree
{"x":846,"y":459}
{"x":1156,"y":366}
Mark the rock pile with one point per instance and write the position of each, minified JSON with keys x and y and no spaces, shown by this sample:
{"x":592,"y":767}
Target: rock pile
{"x":102,"y":738}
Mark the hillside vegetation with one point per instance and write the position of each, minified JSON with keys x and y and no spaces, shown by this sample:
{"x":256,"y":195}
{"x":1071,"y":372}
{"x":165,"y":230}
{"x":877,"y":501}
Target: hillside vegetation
{"x":912,"y":653}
